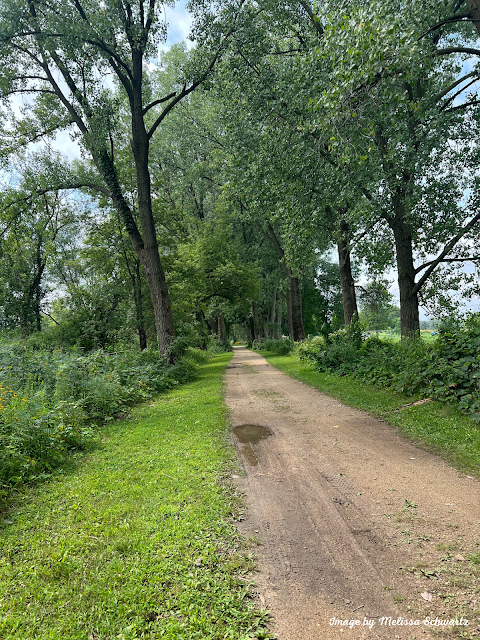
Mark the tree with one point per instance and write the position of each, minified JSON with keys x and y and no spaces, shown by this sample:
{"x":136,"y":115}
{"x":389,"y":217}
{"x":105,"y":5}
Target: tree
{"x":388,"y":96}
{"x":33,"y":230}
{"x":375,"y":300}
{"x":66,"y":57}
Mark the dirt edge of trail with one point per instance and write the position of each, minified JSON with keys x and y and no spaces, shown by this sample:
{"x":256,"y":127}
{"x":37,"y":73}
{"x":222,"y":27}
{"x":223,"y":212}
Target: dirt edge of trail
{"x":360,"y":531}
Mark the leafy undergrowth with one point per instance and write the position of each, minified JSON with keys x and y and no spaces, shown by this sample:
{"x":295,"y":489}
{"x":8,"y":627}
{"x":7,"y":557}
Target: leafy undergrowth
{"x":136,"y":540}
{"x":447,"y":368}
{"x":51,"y":403}
{"x":439,"y":426}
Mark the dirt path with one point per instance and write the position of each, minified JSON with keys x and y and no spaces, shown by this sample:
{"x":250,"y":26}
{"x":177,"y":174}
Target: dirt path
{"x":354,"y":522}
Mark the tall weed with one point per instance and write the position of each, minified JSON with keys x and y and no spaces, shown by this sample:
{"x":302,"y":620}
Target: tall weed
{"x":51,"y":402}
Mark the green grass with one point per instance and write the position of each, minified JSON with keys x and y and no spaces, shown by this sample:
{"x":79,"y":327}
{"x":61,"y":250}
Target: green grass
{"x":137,"y":539}
{"x":437,"y":426}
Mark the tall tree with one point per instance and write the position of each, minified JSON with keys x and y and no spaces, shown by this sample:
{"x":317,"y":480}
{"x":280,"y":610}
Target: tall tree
{"x":66,"y":57}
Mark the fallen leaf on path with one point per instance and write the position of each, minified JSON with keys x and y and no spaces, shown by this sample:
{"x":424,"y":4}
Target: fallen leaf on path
{"x":335,"y":426}
{"x":427,"y":596}
{"x":459,"y":557}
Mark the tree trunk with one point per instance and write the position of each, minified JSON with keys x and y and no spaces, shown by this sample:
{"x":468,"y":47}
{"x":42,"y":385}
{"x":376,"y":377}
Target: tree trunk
{"x":409,"y":312}
{"x":278,"y":332}
{"x":150,"y":256}
{"x":138,"y":298}
{"x":289,"y":312}
{"x":294,"y":304}
{"x":256,"y":326}
{"x":474,"y":8}
{"x":214,"y":325}
{"x":266,"y":333}
{"x":349,"y":298}
{"x":274,"y":302}
{"x":221,"y":327}
{"x":200,"y":317}
{"x":249,"y":334}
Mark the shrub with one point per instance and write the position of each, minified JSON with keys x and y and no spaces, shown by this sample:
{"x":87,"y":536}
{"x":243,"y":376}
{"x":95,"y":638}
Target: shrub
{"x":52,"y":402}
{"x":281,"y":347}
{"x":447,"y":369}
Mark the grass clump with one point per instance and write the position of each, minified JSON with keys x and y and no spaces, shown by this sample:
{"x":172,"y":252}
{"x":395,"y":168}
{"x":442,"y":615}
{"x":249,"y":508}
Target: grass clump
{"x":138,"y":540}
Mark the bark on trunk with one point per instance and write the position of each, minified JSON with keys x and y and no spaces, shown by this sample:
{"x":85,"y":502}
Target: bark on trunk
{"x":294,"y":303}
{"x":145,"y":245}
{"x":349,"y":298}
{"x":474,"y":8}
{"x":221,"y":327}
{"x":256,"y":326}
{"x":266,"y":328}
{"x":409,"y":312}
{"x":278,"y":331}
{"x":274,"y":302}
{"x":138,"y":298}
{"x":289,"y":311}
{"x":214,"y":325}
{"x":150,"y":255}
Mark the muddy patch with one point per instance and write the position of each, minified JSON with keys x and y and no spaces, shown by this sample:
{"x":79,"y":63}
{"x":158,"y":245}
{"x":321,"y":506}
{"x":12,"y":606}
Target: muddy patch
{"x":248,"y":435}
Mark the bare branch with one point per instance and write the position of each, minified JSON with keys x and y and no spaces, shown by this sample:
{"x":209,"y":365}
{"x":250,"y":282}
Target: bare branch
{"x":448,"y":247}
{"x":463,"y":106}
{"x":155,"y":102}
{"x":455,"y":84}
{"x":449,"y":50}
{"x":469,"y":259}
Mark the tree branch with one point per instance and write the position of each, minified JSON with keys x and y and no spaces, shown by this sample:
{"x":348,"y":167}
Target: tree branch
{"x":313,"y":18}
{"x":452,"y":19}
{"x":463,"y":106}
{"x":469,"y":259}
{"x":448,"y":50}
{"x":448,"y":247}
{"x":185,"y":92}
{"x":155,"y":102}
{"x":455,"y":84}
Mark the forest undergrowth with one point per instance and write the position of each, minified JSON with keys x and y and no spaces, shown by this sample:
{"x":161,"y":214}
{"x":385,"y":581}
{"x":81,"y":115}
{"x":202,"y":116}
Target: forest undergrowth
{"x":52,"y":402}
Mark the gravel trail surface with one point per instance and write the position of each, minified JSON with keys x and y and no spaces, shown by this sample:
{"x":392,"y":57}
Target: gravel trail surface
{"x":358,"y":528}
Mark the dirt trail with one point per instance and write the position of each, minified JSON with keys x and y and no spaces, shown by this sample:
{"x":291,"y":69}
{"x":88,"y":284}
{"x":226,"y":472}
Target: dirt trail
{"x":355,"y":523}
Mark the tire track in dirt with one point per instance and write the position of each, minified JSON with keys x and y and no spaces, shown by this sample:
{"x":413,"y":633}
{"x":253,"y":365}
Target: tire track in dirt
{"x":331,"y":497}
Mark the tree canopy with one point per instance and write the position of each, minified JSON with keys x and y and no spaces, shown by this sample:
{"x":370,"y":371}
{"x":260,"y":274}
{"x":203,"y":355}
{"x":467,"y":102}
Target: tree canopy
{"x":248,"y":184}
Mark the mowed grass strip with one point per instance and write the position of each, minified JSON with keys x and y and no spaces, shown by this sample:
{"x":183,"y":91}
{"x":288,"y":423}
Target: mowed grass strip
{"x":137,"y":540}
{"x":438,"y":426}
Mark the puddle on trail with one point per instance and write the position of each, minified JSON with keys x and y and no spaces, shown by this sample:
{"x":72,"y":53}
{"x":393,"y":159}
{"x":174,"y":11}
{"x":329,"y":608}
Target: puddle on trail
{"x":248,"y":434}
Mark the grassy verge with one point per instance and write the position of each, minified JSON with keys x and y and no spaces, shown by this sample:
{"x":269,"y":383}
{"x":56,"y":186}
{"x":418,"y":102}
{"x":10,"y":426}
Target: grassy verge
{"x":437,"y":426}
{"x":136,"y":541}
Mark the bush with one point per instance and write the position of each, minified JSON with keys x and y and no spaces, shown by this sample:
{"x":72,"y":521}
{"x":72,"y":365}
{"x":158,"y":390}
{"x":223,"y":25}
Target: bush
{"x":216,"y":346}
{"x":52,"y":402}
{"x":447,"y":369}
{"x":281,"y":347}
